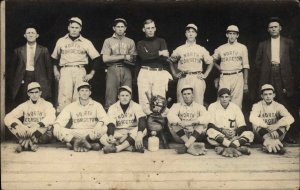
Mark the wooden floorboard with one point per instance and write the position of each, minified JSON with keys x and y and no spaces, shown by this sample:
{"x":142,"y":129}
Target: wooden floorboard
{"x":55,"y":167}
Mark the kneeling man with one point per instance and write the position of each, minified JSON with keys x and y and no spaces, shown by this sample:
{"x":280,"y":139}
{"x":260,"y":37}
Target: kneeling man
{"x":128,"y":125}
{"x":38,"y":116}
{"x":270,"y":120}
{"x":228,"y":130}
{"x":188,"y":122}
{"x":89,"y":121}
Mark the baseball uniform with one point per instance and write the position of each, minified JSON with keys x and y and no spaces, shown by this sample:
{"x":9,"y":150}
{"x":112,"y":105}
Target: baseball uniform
{"x":41,"y":112}
{"x":118,"y":74}
{"x":152,"y":76}
{"x":227,"y":118}
{"x":183,"y":112}
{"x":72,"y":56}
{"x":191,"y":59}
{"x":263,"y":115}
{"x":233,"y":59}
{"x":90,"y":119}
{"x":126,"y":123}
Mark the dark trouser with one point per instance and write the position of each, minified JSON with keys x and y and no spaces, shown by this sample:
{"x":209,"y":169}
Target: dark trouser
{"x":116,"y":76}
{"x":22,"y":93}
{"x":289,"y":102}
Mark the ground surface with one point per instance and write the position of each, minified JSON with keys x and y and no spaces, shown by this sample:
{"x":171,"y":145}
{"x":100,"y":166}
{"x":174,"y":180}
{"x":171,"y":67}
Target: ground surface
{"x":55,"y":167}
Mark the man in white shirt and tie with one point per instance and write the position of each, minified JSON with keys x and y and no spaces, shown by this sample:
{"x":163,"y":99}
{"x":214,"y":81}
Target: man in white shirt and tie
{"x":276,"y":64}
{"x":30,"y":63}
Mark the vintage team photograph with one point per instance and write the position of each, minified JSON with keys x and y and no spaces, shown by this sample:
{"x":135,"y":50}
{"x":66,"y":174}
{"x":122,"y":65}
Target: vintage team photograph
{"x":150,"y":95}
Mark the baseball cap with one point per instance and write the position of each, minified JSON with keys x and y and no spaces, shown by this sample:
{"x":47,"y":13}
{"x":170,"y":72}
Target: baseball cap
{"x":192,"y":26}
{"x":117,"y":20}
{"x":125,"y":88}
{"x":223,"y":91}
{"x":186,"y":87}
{"x":275,"y":19}
{"x":33,"y":85}
{"x":266,"y":87}
{"x":76,"y":19}
{"x":232,"y":28}
{"x":83,"y":84}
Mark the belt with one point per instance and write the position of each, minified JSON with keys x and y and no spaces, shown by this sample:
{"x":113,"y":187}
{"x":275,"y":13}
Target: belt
{"x":233,"y":73}
{"x":275,"y":65}
{"x":78,"y":66}
{"x":119,"y":65}
{"x":152,"y":69}
{"x":192,"y":73}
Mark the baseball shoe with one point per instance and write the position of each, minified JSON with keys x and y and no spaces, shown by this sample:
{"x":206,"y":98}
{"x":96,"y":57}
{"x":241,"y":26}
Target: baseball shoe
{"x":69,"y":146}
{"x":95,"y":146}
{"x":34,"y":147}
{"x":244,"y":150}
{"x":140,"y":150}
{"x":19,"y":148}
{"x":109,"y":149}
{"x":181,"y":150}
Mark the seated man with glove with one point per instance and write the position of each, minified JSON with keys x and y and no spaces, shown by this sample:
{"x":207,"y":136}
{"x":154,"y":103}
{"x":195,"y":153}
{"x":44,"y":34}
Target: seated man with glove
{"x":89,"y":122}
{"x":38,"y":116}
{"x":227,"y":129}
{"x":188,"y":122}
{"x":128,"y":125}
{"x":270,"y":120}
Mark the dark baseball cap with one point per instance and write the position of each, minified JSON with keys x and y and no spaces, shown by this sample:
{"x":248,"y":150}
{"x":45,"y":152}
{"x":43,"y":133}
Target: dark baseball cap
{"x":223,"y":91}
{"x":275,"y":19}
{"x":82,"y":85}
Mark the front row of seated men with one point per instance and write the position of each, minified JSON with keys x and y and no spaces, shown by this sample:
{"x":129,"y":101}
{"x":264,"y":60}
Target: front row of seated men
{"x":84,"y":125}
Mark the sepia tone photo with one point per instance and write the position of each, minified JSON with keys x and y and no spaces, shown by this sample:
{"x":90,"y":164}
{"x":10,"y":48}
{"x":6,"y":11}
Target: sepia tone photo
{"x":131,"y":94}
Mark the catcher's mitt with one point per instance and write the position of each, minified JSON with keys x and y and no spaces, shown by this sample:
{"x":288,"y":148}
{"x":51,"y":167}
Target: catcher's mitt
{"x":229,"y":133}
{"x":156,"y":123}
{"x":197,"y":149}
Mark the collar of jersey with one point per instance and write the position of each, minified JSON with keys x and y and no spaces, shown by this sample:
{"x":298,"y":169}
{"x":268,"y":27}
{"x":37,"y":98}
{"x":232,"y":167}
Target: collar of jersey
{"x":91,"y":102}
{"x":184,"y":104}
{"x":80,"y":38}
{"x":119,"y":104}
{"x":115,"y":36}
{"x":229,"y":105}
{"x":37,"y":102}
{"x":236,"y":42}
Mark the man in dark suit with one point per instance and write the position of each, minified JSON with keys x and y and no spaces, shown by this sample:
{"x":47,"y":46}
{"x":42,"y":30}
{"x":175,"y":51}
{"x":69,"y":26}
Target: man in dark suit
{"x":30,"y":63}
{"x":276,"y":64}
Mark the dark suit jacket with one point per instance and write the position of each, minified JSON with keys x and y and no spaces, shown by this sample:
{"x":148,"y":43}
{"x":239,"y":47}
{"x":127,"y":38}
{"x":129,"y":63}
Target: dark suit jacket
{"x":43,"y":70}
{"x":288,"y":61}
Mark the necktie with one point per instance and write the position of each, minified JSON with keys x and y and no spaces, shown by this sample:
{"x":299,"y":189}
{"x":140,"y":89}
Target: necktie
{"x":31,"y":57}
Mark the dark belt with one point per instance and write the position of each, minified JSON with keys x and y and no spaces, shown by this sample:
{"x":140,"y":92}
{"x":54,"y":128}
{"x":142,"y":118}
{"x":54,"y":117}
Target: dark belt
{"x":233,"y":73}
{"x":78,"y":66}
{"x":152,"y":69}
{"x":119,"y":65}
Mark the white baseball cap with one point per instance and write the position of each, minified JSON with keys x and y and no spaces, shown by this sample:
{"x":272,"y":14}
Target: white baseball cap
{"x":83,"y":84}
{"x":186,"y":87}
{"x":126,"y":88}
{"x":33,"y":85}
{"x":266,"y":87}
{"x":232,"y":28}
{"x":76,"y":19}
{"x":192,"y":26}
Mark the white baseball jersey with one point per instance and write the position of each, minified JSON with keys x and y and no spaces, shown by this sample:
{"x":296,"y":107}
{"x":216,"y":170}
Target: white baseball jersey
{"x":192,"y":57}
{"x":231,"y":117}
{"x":129,"y":118}
{"x":263,"y":115}
{"x":183,"y":112}
{"x":74,"y":52}
{"x":83,"y":117}
{"x":234,"y":57}
{"x":41,"y":111}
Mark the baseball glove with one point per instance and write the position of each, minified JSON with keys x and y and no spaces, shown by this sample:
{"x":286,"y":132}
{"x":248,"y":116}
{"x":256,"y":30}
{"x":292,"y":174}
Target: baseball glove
{"x":229,"y":134}
{"x":244,"y":150}
{"x":273,"y":146}
{"x":228,"y":152}
{"x":197,"y":149}
{"x":81,"y":145}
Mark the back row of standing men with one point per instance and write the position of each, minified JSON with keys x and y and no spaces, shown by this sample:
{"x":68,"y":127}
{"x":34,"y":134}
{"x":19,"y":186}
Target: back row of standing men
{"x":72,"y":52}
